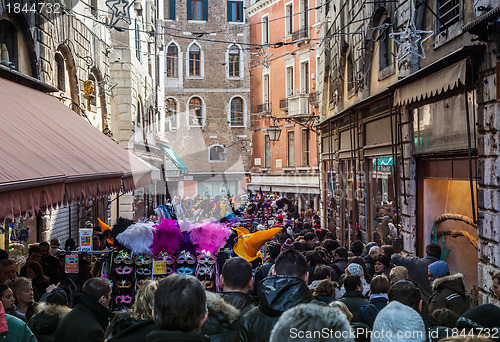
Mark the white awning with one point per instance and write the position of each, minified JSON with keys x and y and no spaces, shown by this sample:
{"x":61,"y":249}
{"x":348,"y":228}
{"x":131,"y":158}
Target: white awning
{"x":432,"y":85}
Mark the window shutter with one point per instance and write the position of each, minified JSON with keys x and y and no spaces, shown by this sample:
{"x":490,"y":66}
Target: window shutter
{"x":240,"y":12}
{"x":172,"y":9}
{"x":189,"y":15}
{"x":229,"y":12}
{"x":205,"y":9}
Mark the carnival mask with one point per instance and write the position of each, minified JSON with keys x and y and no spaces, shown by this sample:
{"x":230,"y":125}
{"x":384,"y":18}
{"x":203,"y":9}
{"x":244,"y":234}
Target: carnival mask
{"x":143,"y":260}
{"x":186,"y":258}
{"x":123,"y":257}
{"x":184,"y":270}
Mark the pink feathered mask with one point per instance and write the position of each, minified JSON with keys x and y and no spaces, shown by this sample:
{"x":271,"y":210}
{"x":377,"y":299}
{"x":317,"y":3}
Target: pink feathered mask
{"x":210,"y":236}
{"x":167,"y":237}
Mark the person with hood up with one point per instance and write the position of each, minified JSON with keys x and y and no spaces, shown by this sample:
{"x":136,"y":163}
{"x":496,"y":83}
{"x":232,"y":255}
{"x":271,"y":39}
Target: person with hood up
{"x":48,"y":313}
{"x":389,"y":326}
{"x":448,"y":290}
{"x":283,"y":290}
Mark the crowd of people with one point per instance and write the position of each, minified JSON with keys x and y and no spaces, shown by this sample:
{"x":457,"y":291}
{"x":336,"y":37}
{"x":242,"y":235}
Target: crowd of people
{"x":300,"y":284}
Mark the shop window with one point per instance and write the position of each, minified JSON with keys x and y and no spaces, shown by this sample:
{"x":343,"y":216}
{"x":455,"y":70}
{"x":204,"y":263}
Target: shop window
{"x":170,"y":9}
{"x":234,"y":61}
{"x":217,"y":153}
{"x":195,"y":112}
{"x":194,"y":60}
{"x":170,"y":114}
{"x":8,"y":42}
{"x":382,"y":212}
{"x":291,"y":148}
{"x":172,"y":61}
{"x":235,"y":11}
{"x":237,"y":111}
{"x":61,"y":73}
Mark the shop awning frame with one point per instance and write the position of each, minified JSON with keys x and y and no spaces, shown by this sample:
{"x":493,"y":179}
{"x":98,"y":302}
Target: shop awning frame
{"x":49,"y":155}
{"x":175,"y":159}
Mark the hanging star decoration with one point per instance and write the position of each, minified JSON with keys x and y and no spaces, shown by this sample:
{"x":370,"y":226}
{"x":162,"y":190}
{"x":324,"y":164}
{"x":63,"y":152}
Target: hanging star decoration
{"x":261,"y":57}
{"x":120,"y":10}
{"x":410,"y":40}
{"x":106,"y":86}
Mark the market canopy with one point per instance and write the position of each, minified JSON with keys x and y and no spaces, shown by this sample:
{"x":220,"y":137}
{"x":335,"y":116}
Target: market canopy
{"x":50,"y":155}
{"x":175,"y":159}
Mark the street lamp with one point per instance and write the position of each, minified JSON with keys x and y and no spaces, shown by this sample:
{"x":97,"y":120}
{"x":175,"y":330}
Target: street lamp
{"x":274,"y":133}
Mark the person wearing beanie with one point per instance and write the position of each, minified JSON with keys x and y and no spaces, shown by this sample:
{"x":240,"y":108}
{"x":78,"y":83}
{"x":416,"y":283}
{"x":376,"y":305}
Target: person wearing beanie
{"x":48,"y":313}
{"x":448,"y":290}
{"x":480,"y":318}
{"x":288,"y":244}
{"x":389,"y":326}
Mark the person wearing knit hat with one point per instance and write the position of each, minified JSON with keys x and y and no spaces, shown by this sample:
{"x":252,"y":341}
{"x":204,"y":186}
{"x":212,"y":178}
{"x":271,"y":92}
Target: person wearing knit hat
{"x":389,"y":326}
{"x":438,"y":269}
{"x":288,"y":244}
{"x":448,"y":291}
{"x":480,"y":319}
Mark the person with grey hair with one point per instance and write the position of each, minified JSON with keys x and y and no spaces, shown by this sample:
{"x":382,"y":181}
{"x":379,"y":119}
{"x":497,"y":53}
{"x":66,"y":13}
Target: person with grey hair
{"x":369,"y":258}
{"x":312,"y":322}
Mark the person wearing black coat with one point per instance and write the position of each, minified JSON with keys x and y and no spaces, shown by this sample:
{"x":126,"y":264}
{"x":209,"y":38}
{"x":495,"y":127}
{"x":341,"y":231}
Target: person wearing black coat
{"x":125,"y":328}
{"x":283,"y":290}
{"x":222,"y":320}
{"x":44,"y":323}
{"x":236,"y":281}
{"x":90,"y":317}
{"x":339,"y":264}
{"x":353,"y":297}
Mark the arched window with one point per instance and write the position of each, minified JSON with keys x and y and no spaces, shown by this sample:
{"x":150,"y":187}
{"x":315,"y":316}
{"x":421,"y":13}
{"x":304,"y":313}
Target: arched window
{"x":60,"y":69}
{"x":237,"y":111}
{"x":194,"y":60}
{"x":139,"y":116}
{"x":172,"y":60}
{"x":170,"y":114}
{"x":8,"y":43}
{"x":217,"y":153}
{"x":195,"y":112}
{"x":234,"y":61}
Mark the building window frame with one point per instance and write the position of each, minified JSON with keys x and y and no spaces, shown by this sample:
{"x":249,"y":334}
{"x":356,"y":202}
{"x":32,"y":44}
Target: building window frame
{"x":232,"y":113}
{"x":171,"y":114}
{"x":235,"y":12}
{"x":172,"y":61}
{"x":234,"y":62}
{"x":289,"y":19}
{"x":290,"y":141}
{"x":217,"y":153}
{"x":169,"y":10}
{"x":191,"y":109}
{"x":305,"y":147}
{"x":265,"y":29}
{"x":267,"y":151}
{"x":193,"y":63}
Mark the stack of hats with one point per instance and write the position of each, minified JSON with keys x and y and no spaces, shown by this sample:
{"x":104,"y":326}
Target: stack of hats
{"x":288,"y":244}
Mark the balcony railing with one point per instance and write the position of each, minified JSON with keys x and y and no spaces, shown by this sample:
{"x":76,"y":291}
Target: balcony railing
{"x":284,"y":105}
{"x":264,"y":108}
{"x":313,"y":99}
{"x":298,"y":105}
{"x":300,"y":34}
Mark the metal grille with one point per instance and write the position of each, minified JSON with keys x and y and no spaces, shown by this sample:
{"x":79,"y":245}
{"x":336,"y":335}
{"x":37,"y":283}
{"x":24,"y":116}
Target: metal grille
{"x":448,"y":11}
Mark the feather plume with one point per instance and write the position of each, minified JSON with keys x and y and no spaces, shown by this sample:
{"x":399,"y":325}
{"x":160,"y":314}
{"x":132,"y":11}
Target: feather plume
{"x":167,"y":237}
{"x":138,"y":237}
{"x":120,"y":226}
{"x":210,"y":236}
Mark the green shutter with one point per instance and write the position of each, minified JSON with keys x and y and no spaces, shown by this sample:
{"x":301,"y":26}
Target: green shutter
{"x":240,"y":12}
{"x":205,"y":9}
{"x":189,"y":14}
{"x":229,"y":12}
{"x":172,"y":10}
